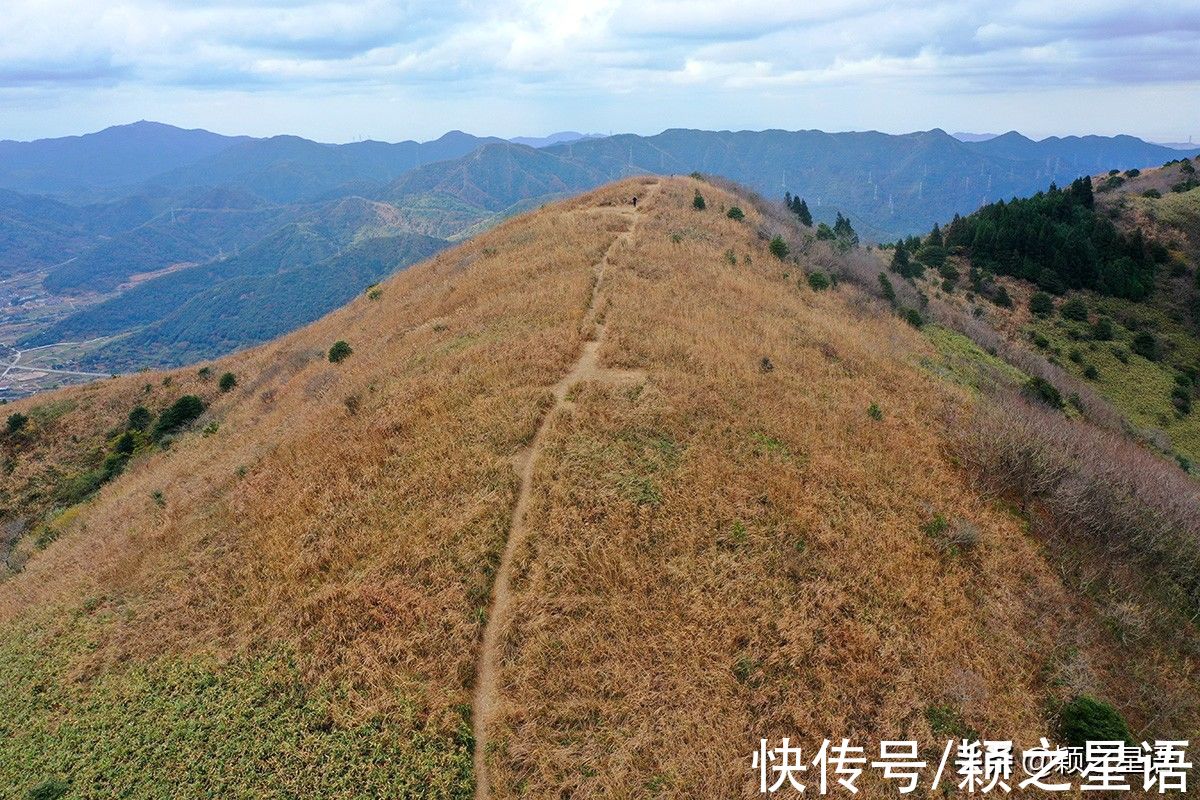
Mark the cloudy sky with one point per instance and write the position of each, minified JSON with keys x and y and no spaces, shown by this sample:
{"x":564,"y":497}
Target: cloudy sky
{"x":396,"y":69}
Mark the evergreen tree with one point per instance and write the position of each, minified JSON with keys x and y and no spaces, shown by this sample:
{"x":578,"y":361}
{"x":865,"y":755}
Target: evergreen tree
{"x":843,"y":231}
{"x":779,"y":248}
{"x":889,"y":291}
{"x":804,"y":214}
{"x":1041,"y":304}
{"x":1056,"y":239}
{"x":935,"y":236}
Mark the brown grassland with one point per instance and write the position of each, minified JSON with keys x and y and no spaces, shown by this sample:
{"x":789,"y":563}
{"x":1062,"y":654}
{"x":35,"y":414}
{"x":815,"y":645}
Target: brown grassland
{"x":729,"y":548}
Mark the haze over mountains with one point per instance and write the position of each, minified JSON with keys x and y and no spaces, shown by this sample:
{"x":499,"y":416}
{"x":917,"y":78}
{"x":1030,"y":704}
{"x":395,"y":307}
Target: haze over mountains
{"x":145,"y":232}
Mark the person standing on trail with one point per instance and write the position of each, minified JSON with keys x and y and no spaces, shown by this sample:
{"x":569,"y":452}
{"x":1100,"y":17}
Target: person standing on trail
{"x":635,"y":201}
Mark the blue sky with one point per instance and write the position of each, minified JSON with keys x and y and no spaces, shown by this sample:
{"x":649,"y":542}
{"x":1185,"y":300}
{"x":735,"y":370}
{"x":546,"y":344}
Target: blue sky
{"x":382,"y":69}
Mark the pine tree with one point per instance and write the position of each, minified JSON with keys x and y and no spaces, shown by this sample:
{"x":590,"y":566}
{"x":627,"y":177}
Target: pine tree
{"x":803,"y":213}
{"x":844,"y":231}
{"x":935,"y":236}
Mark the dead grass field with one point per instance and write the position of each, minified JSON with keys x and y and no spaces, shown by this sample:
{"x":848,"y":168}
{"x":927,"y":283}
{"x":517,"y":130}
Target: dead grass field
{"x":719,"y":552}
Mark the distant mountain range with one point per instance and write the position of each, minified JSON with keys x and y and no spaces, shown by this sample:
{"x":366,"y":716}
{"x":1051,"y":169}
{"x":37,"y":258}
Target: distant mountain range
{"x":167,"y":223}
{"x":974,"y":137}
{"x":562,"y":137}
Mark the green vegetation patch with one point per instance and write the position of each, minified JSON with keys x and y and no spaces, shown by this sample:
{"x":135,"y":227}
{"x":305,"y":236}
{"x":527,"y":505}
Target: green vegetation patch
{"x":1086,"y":719}
{"x":1142,"y":389}
{"x":195,"y":728}
{"x":48,"y":412}
{"x":647,"y":455}
{"x":961,"y":361}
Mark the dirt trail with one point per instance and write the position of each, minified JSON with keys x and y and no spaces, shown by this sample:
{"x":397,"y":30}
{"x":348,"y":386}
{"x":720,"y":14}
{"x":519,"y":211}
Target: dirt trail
{"x":586,"y":367}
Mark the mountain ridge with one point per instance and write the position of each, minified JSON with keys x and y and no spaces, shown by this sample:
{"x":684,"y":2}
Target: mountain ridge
{"x":760,"y":505}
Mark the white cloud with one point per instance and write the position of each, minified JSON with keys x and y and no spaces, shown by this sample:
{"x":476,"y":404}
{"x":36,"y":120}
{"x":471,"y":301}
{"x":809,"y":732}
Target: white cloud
{"x":585,"y":48}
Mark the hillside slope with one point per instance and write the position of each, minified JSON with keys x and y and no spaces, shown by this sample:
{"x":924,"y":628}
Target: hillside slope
{"x":600,"y":497}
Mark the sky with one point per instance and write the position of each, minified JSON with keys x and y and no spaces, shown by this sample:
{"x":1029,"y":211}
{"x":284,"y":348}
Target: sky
{"x":390,"y":70}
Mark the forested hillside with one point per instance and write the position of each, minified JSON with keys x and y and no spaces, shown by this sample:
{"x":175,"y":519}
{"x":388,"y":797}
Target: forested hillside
{"x":1099,"y":278}
{"x":1057,"y":240}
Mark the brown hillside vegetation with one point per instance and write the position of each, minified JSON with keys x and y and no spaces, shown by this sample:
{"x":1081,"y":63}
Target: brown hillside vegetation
{"x":759,"y":530}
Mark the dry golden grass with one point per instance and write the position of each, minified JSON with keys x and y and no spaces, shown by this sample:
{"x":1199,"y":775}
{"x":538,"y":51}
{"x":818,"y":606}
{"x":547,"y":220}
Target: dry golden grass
{"x":364,"y":539}
{"x":718,"y":553}
{"x":733,"y":553}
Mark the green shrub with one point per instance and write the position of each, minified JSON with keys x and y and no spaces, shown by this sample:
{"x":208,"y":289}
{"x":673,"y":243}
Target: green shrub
{"x":889,"y":291}
{"x":948,"y":272}
{"x":17,"y":421}
{"x":825,"y":233}
{"x":874,"y":412}
{"x":1086,"y":719}
{"x":139,"y":418}
{"x":1181,"y":398}
{"x":1103,"y":329}
{"x":1112,"y":182}
{"x":1145,"y":345}
{"x":339,"y":352}
{"x":779,"y":248}
{"x":1091,"y":373}
{"x":913,"y":317}
{"x":49,"y":789}
{"x":204,"y":373}
{"x":1042,"y":390}
{"x":819,"y":281}
{"x":1040,"y":341}
{"x":1001,"y":298}
{"x":1153,"y":194}
{"x":735,"y":214}
{"x":227,"y":382}
{"x":79,"y":487}
{"x":1074,"y":309}
{"x":698,"y":201}
{"x":1041,"y":304}
{"x":180,"y":413}
{"x":125,"y":444}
